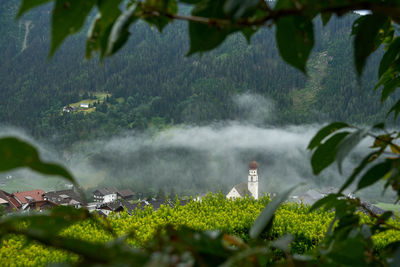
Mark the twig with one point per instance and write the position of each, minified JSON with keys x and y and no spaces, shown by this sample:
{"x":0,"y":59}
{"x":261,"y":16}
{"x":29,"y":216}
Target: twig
{"x":386,"y":9}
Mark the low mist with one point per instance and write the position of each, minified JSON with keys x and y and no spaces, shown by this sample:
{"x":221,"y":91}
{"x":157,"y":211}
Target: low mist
{"x":190,"y":160}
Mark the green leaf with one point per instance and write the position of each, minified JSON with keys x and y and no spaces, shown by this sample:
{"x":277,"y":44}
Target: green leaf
{"x":374,"y":174}
{"x":284,"y":4}
{"x":330,"y":201}
{"x":101,"y":27}
{"x":368,"y":159}
{"x":389,"y":57}
{"x":386,"y":215}
{"x":29,"y":4}
{"x":264,"y":220}
{"x":120,"y":30}
{"x":295,"y":40}
{"x":324,"y":132}
{"x":325,"y":154}
{"x":283,"y":243}
{"x":15,"y":153}
{"x":190,"y":1}
{"x":248,"y":33}
{"x":366,"y":31}
{"x":237,"y":8}
{"x":68,"y":18}
{"x":396,"y":258}
{"x":163,"y":7}
{"x":380,"y":126}
{"x":205,"y":37}
{"x":48,"y":224}
{"x":389,"y":87}
{"x":348,"y":144}
{"x":326,"y":17}
{"x":396,"y":109}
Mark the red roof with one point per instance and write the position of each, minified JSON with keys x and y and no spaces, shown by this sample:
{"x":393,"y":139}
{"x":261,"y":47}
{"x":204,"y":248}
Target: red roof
{"x":253,"y":165}
{"x":37,"y":195}
{"x":14,"y":202}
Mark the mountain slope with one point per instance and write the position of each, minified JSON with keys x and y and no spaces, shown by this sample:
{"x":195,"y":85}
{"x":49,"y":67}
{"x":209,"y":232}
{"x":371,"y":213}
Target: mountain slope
{"x":155,"y":84}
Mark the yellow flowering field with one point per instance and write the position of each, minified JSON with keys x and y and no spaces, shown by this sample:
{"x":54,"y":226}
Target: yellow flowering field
{"x":214,"y":212}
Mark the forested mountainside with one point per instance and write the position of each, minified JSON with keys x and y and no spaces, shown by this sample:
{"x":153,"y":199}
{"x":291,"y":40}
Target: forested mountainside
{"x":151,"y":82}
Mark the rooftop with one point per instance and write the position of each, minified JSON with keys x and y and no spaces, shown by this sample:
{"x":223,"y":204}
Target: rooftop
{"x":36,"y":195}
{"x":253,"y":165}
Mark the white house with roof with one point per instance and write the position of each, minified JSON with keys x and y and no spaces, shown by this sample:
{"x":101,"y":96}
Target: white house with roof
{"x":250,"y":188}
{"x":105,"y":195}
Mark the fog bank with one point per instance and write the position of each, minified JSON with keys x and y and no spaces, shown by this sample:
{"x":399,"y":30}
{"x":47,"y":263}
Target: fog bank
{"x":198,"y":159}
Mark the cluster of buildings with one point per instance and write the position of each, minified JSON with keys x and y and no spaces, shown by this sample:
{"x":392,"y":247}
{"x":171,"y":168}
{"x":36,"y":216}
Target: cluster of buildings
{"x":105,"y":201}
{"x":108,"y":199}
{"x":69,"y":109}
{"x":39,"y":200}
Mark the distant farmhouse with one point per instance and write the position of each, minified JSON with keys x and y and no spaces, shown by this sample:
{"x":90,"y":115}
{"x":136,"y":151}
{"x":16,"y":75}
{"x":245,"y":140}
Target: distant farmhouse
{"x":69,"y":109}
{"x":84,"y":105}
{"x":247,"y":189}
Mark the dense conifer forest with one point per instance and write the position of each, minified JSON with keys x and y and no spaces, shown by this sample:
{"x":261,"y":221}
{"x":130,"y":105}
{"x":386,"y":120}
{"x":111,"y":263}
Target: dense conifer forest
{"x":151,"y":83}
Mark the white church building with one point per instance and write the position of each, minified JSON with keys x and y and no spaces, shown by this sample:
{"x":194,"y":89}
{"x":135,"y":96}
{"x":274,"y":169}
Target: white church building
{"x":247,"y":189}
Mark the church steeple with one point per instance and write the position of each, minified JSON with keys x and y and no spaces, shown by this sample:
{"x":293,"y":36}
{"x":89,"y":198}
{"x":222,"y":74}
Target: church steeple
{"x":252,"y":181}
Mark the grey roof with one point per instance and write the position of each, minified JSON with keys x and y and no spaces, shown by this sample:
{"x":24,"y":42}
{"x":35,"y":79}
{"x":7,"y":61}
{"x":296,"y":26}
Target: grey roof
{"x":65,"y":196}
{"x":112,"y":205}
{"x":371,"y":207}
{"x":333,"y":190}
{"x":106,"y":190}
{"x":309,"y":197}
{"x":125,"y":192}
{"x":242,"y":189}
{"x":74,"y":202}
{"x":101,"y":213}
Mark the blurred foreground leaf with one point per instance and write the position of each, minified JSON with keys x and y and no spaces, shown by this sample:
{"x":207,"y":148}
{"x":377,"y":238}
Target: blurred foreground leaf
{"x":15,"y":153}
{"x":264,"y":220}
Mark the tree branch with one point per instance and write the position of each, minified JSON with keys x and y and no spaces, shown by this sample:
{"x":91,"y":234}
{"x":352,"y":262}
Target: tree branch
{"x":386,"y":9}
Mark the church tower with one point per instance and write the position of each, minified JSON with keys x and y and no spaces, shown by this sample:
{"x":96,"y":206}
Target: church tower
{"x":252,"y":182}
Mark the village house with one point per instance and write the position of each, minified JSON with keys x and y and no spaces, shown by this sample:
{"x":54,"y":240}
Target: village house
{"x":8,"y":202}
{"x":31,"y":200}
{"x":26,"y":197}
{"x":246,"y":189}
{"x":84,"y":105}
{"x":65,"y":197}
{"x":125,"y":194}
{"x":117,"y":206}
{"x":105,"y":195}
{"x":40,"y":205}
